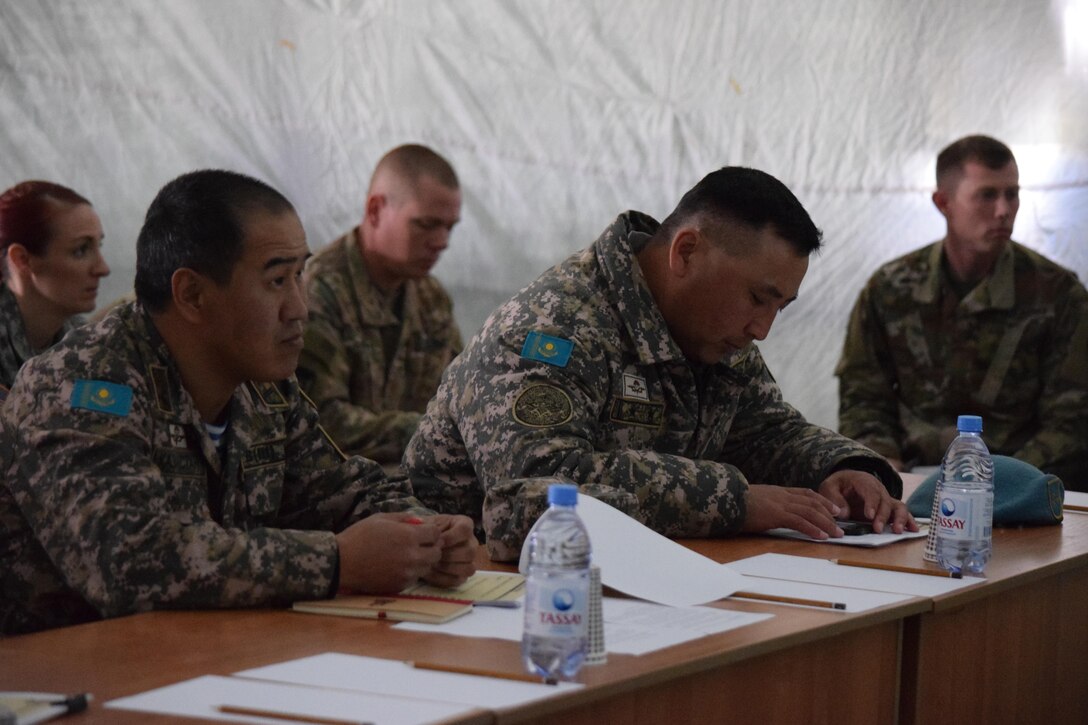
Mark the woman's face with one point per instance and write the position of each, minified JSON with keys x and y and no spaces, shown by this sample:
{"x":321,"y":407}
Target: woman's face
{"x":67,"y":275}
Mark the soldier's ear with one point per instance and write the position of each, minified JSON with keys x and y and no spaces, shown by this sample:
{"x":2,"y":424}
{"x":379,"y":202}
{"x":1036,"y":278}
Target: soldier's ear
{"x":682,"y":251}
{"x":18,"y":258}
{"x":374,"y":204}
{"x":940,"y":200}
{"x":189,"y":291}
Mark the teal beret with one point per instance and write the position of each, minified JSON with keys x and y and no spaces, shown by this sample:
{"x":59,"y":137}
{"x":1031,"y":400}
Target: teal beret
{"x":1023,"y":495}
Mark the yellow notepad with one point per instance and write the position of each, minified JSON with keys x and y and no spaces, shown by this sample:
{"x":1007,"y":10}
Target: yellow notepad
{"x":483,"y":586}
{"x":394,"y":608}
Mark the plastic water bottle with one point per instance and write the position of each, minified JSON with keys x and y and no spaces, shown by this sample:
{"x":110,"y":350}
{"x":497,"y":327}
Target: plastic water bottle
{"x":965,"y":506}
{"x":555,"y":638}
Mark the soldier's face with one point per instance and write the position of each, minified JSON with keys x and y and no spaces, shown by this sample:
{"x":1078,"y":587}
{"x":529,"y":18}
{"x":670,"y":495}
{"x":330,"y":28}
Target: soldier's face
{"x":67,"y":275}
{"x":981,"y":208}
{"x":256,"y":328}
{"x":728,"y":300}
{"x":410,"y":233}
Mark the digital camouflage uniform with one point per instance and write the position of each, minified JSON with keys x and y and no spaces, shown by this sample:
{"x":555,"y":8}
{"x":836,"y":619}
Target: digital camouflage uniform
{"x":368,"y":408}
{"x":627,"y":417}
{"x":14,"y":345}
{"x":1014,"y":350}
{"x":108,"y":513}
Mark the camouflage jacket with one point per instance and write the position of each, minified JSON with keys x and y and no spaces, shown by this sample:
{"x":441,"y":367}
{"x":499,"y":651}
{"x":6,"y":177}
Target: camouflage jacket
{"x":14,"y":346}
{"x":367,"y":408}
{"x":1014,"y":350}
{"x":118,"y":505}
{"x":577,"y":377}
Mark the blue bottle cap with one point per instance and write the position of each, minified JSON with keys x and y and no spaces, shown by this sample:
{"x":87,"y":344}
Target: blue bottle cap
{"x":563,"y":494}
{"x":969,"y":424}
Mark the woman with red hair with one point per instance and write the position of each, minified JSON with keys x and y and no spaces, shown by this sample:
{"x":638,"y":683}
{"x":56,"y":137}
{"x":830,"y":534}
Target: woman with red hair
{"x":51,"y":259}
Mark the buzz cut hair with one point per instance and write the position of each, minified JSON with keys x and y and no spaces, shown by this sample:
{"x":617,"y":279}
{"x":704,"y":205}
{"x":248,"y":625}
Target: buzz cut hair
{"x":980,"y":149}
{"x":407,"y":164}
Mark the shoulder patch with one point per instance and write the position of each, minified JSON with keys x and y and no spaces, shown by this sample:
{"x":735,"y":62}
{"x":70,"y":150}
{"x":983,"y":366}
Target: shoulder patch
{"x":102,"y":397}
{"x":547,"y":349}
{"x":541,"y":406}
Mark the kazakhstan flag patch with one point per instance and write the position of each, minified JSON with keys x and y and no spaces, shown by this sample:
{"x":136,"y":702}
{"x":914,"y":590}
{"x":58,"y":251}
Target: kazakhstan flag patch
{"x":103,"y":397}
{"x":547,"y":349}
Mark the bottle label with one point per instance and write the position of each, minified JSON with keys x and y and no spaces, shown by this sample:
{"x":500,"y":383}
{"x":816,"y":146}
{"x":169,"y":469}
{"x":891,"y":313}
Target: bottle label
{"x":964,"y":516}
{"x":558,"y":607}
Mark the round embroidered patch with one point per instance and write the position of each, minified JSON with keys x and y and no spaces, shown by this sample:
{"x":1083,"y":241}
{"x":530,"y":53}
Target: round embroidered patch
{"x":540,"y":406}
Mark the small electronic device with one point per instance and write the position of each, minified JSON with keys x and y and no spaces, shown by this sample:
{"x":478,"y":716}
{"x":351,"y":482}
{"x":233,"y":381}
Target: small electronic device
{"x":856,"y":528}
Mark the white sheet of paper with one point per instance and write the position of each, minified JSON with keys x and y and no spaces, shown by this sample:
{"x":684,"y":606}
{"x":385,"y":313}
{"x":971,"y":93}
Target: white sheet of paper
{"x":399,"y":679}
{"x":865,"y":540}
{"x":630,"y":626}
{"x":823,"y":571}
{"x":642,"y":563}
{"x":202,"y":696}
{"x":856,"y":600}
{"x":1077,"y":498}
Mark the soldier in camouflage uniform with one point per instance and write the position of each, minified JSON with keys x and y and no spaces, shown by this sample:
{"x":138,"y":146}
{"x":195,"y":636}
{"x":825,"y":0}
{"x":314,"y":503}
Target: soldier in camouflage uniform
{"x":629,"y":370}
{"x":972,"y":324}
{"x":381,"y":329}
{"x":51,"y":264}
{"x":150,"y":465}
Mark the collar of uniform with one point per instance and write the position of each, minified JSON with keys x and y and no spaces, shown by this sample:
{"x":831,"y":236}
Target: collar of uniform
{"x":635,"y":303}
{"x":375,"y":305}
{"x":20,"y":343}
{"x":9,"y":309}
{"x":996,"y":292}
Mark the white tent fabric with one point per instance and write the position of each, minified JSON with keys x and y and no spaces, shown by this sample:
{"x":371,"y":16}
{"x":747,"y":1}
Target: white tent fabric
{"x":558,"y":115}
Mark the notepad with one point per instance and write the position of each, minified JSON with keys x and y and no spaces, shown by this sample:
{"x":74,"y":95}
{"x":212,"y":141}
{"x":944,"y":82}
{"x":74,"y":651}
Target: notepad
{"x":398,"y":609}
{"x":483,"y":586}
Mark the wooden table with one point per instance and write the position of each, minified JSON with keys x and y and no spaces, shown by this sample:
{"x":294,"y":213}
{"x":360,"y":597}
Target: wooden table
{"x":1018,"y":646}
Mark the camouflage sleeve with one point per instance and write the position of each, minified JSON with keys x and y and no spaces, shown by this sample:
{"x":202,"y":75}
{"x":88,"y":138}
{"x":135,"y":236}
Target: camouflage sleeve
{"x":523,"y":419}
{"x":323,"y":488}
{"x":774,"y":444}
{"x":324,"y":371}
{"x":88,"y":486}
{"x":868,"y":411}
{"x":1061,"y":443}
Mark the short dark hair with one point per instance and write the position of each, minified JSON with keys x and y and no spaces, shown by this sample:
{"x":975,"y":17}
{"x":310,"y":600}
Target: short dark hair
{"x":984,"y":150}
{"x":197,"y":221}
{"x":748,"y":196}
{"x":26,"y":215}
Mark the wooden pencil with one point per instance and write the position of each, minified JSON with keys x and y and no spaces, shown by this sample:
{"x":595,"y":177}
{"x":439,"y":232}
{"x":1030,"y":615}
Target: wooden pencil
{"x":788,"y":600}
{"x":294,"y":717}
{"x":481,"y":672}
{"x":894,"y":567}
{"x":1074,"y":507}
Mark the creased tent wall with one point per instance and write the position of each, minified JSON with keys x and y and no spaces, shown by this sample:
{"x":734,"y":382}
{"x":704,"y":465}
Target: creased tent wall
{"x":558,"y":115}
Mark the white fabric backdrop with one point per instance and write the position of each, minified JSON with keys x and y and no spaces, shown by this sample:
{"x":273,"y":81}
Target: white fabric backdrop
{"x":559,"y":114}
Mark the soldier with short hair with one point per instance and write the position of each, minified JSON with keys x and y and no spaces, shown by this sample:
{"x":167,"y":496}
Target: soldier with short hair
{"x":972,"y":324}
{"x":165,"y":457}
{"x":630,"y":369}
{"x":381,"y":328}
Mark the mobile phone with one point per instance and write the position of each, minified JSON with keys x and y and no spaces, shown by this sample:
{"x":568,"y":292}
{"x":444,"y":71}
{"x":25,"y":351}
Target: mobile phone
{"x":856,"y":528}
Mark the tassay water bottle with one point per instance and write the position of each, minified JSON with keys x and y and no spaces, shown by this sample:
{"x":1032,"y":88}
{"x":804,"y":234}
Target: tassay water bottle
{"x":555,"y":637}
{"x":965,"y":504}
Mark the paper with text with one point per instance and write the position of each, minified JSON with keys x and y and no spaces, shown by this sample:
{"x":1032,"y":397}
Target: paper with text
{"x":630,"y":626}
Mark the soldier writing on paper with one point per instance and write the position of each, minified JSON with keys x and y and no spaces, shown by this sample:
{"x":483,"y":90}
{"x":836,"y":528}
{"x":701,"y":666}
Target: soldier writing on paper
{"x":630,"y":369}
{"x":165,"y":458}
